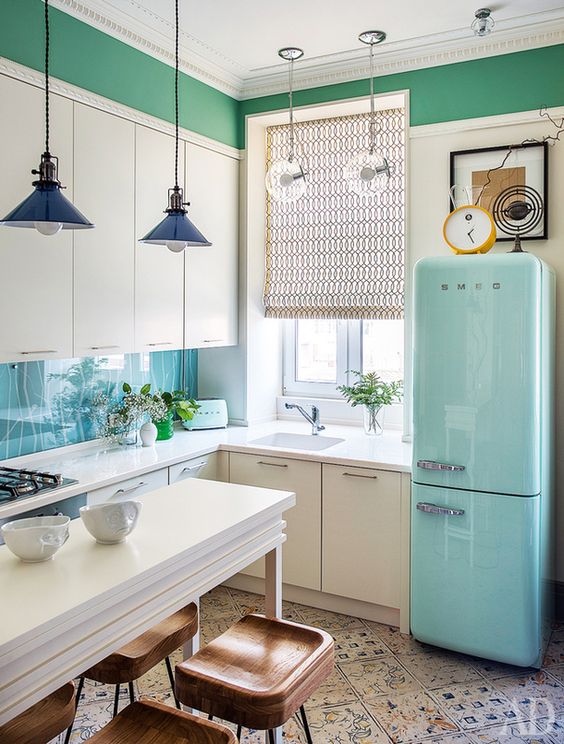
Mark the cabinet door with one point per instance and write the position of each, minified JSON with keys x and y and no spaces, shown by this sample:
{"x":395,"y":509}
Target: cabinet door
{"x":301,"y":553}
{"x":159,"y":273}
{"x":211,"y":273}
{"x":131,"y":488}
{"x":361,"y":534}
{"x":213,"y":466}
{"x":103,"y":257}
{"x":36,"y":296}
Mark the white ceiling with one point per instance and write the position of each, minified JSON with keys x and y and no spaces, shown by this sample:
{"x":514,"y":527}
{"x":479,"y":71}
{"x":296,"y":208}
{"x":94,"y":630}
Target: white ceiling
{"x":233,"y":44}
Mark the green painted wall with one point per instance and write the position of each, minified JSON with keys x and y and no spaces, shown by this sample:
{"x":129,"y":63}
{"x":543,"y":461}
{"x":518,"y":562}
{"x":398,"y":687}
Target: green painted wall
{"x":88,"y":58}
{"x":496,"y":85}
{"x":520,"y":81}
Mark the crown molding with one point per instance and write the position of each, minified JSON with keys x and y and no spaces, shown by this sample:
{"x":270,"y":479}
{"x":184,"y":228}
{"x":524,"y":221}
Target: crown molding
{"x":150,"y":33}
{"x":80,"y":95}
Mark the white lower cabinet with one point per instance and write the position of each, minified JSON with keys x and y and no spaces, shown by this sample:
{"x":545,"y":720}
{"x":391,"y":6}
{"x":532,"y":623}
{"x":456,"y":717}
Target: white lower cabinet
{"x":362,"y":534}
{"x":302,"y":550}
{"x":131,"y":488}
{"x":213,"y":466}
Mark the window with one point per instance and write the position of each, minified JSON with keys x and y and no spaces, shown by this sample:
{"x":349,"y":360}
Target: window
{"x":319,"y":353}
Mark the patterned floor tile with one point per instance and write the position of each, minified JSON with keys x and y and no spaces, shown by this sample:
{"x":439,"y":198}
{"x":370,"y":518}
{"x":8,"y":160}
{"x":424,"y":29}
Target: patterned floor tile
{"x":344,"y":724}
{"x":156,"y":680}
{"x":436,"y":669}
{"x":410,"y":716}
{"x":328,"y":620}
{"x":552,"y":726}
{"x":476,"y":705}
{"x":459,"y":738}
{"x":95,"y":692}
{"x":248,"y":602}
{"x":555,"y":651}
{"x":399,"y":643}
{"x":379,"y":677}
{"x":496,"y":669}
{"x":356,"y":644}
{"x":517,"y":733}
{"x":334,"y":691}
{"x":557,"y":672}
{"x":538,"y":695}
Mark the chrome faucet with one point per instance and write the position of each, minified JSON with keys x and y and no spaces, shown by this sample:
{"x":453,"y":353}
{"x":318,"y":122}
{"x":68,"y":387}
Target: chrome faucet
{"x":316,"y":427}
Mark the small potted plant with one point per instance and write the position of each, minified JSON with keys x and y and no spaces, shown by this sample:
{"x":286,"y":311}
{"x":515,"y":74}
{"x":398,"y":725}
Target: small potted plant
{"x":176,"y":402}
{"x":371,"y":392}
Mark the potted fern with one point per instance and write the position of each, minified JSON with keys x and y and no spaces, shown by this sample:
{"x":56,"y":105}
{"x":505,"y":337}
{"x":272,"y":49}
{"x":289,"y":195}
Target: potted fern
{"x":372,"y":393}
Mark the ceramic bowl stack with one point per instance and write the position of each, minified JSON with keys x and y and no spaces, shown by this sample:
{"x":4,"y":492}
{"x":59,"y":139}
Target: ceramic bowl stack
{"x":112,"y":522}
{"x":36,"y":539}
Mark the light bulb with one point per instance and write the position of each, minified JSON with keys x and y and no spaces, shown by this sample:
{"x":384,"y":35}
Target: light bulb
{"x":48,"y":228}
{"x":176,"y":246}
{"x":285,"y":180}
{"x":367,"y":172}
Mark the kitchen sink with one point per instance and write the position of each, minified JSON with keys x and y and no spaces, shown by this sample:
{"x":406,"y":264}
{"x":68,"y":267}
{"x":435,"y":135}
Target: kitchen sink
{"x":297,"y":441}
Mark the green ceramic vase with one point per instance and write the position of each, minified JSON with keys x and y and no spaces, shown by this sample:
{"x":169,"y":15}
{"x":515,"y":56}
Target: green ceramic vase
{"x":165,"y":428}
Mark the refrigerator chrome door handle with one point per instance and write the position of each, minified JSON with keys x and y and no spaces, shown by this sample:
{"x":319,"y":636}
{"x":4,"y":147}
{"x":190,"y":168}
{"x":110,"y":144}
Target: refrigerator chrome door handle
{"x":444,"y":510}
{"x":432,"y":465}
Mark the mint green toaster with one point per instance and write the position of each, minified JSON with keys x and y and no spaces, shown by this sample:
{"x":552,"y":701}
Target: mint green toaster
{"x":212,"y":414}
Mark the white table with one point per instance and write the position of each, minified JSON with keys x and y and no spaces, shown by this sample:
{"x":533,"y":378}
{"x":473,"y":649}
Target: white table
{"x":62,"y":616}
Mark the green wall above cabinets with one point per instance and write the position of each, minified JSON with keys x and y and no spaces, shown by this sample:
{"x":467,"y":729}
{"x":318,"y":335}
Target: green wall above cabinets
{"x":83,"y":56}
{"x":520,"y":81}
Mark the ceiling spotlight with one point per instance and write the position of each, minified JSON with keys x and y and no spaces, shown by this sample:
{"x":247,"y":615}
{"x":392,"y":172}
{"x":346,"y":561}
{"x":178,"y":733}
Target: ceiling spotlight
{"x":483,"y":23}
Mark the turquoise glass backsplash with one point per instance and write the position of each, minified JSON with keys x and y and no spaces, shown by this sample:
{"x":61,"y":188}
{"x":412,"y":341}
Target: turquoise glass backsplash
{"x":46,"y":404}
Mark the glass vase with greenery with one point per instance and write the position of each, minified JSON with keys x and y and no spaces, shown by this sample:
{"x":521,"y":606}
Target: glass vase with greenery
{"x":120,"y":420}
{"x":373,"y":393}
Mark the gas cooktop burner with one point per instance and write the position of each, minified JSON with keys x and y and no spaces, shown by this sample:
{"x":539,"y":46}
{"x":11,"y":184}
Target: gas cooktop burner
{"x":16,"y":483}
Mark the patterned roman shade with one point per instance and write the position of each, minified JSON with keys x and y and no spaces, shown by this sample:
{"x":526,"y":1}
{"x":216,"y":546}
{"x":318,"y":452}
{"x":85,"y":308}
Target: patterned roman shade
{"x":333,"y":253}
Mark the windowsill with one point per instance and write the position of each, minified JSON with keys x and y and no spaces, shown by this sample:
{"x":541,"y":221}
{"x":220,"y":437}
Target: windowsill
{"x":337,"y":411}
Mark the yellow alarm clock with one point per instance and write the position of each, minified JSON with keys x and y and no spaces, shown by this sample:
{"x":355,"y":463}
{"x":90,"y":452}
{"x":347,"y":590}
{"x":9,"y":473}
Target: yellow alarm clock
{"x":469,"y":229}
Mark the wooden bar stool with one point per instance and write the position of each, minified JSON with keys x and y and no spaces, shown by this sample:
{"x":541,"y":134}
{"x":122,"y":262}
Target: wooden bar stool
{"x":43,"y":721}
{"x":148,"y":722}
{"x":139,"y":656}
{"x":258,"y":673}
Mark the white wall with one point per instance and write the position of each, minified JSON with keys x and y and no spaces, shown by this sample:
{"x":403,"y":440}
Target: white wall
{"x":428,"y":193}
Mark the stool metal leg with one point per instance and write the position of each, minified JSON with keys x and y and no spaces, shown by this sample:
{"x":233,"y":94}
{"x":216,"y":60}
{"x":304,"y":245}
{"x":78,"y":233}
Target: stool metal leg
{"x":116,"y":701}
{"x":239,"y":728}
{"x":171,"y":678}
{"x":131,"y":693}
{"x":271,"y":737}
{"x":210,"y":717}
{"x":306,"y":726}
{"x":77,"y":700}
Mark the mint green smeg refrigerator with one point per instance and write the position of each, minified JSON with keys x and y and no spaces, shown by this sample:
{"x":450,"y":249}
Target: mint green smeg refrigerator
{"x":482,"y":479}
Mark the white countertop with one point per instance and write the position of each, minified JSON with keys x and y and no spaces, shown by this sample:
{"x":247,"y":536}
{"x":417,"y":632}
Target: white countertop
{"x":191,"y":514}
{"x":94,"y":465}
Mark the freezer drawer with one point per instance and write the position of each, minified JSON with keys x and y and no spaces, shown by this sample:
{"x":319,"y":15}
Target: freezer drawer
{"x":475,"y":584}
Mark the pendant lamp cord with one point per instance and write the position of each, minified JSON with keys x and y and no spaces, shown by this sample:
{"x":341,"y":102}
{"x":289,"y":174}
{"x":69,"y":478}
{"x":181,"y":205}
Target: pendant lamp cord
{"x":291,"y":107}
{"x":46,"y":76}
{"x":176,"y":101}
{"x":372,"y":111}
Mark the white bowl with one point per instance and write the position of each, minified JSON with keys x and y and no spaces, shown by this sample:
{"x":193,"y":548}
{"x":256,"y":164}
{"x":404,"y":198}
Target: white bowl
{"x":112,"y":522}
{"x":36,"y":539}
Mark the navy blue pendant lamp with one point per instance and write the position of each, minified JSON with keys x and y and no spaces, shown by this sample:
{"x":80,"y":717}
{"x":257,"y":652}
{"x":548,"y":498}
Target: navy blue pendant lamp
{"x":47,"y":209}
{"x":176,"y":231}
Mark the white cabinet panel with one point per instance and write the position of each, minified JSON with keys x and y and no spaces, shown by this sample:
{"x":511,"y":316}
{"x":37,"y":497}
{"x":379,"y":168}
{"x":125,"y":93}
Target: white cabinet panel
{"x":362,"y":534}
{"x":159,"y":273}
{"x":36,"y":296}
{"x":213,"y":466}
{"x":211,"y":273}
{"x":301,"y":553}
{"x":104,"y":271}
{"x":131,"y":488}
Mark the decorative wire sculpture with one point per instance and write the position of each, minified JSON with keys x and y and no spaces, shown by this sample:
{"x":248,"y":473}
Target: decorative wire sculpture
{"x":517,"y":211}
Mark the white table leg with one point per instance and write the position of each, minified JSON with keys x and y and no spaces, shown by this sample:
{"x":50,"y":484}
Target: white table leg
{"x":273,"y":601}
{"x":191,"y":647}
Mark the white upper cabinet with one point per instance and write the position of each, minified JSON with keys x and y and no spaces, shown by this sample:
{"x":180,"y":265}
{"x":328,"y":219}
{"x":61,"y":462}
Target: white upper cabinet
{"x":159,"y":273}
{"x":36,"y":296}
{"x":104,"y":168}
{"x":212,"y":184}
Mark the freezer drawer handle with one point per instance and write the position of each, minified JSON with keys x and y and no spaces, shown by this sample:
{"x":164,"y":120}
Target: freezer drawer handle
{"x":434,"y":509}
{"x":432,"y":465}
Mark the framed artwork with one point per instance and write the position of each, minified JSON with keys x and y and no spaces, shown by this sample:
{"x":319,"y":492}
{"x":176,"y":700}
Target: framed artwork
{"x":527,"y":165}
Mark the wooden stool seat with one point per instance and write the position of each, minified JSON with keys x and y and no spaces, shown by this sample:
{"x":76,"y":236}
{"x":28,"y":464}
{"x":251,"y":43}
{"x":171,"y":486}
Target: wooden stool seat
{"x":43,"y":721}
{"x":148,"y":722}
{"x":137,"y":657}
{"x":258,"y":673}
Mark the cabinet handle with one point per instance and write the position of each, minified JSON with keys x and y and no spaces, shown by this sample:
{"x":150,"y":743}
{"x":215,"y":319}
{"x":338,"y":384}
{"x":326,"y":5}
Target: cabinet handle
{"x":110,"y":346}
{"x":444,"y":510}
{"x":359,"y":475}
{"x":273,"y":464}
{"x":432,"y":465}
{"x":130,"y":489}
{"x":211,"y":340}
{"x":188,"y":468}
{"x":161,"y":343}
{"x":39,"y":351}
